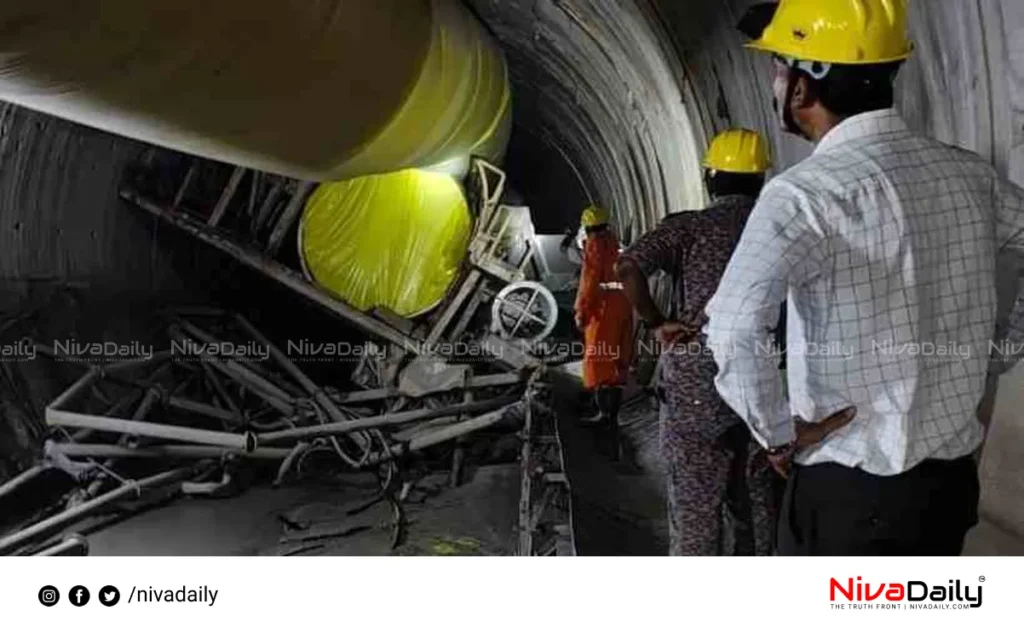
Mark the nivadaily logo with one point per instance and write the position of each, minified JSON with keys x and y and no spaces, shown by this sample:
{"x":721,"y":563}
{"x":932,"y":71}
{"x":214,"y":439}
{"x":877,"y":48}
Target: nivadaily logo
{"x":914,"y":594}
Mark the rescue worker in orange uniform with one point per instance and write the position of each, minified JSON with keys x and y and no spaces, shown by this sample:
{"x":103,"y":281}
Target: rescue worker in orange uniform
{"x":605,"y":316}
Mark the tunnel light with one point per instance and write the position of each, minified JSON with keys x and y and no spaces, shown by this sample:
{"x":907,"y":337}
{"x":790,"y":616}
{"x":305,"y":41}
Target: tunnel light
{"x":457,"y":167}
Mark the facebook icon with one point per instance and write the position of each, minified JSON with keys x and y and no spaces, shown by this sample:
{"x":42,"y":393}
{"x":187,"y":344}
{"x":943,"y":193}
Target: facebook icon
{"x":79,"y":596}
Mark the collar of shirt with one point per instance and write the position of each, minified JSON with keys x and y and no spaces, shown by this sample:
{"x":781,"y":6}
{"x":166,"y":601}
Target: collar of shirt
{"x":721,"y":201}
{"x":867,"y":124}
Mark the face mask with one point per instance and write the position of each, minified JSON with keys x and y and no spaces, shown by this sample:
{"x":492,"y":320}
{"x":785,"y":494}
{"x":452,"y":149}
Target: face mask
{"x":783,"y":87}
{"x":780,"y":87}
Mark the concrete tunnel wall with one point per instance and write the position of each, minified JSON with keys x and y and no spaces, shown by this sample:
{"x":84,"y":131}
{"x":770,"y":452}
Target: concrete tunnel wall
{"x":621,"y":96}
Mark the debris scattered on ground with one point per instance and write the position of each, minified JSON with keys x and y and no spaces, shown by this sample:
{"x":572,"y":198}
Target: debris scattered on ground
{"x":223,"y":408}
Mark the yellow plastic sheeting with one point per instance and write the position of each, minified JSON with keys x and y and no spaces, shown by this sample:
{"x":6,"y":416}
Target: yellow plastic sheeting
{"x":318,"y":90}
{"x":392,"y":241}
{"x":460,"y":105}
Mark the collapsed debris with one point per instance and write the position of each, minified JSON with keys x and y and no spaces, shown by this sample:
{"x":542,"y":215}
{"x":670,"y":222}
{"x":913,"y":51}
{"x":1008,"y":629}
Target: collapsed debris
{"x":201,"y":416}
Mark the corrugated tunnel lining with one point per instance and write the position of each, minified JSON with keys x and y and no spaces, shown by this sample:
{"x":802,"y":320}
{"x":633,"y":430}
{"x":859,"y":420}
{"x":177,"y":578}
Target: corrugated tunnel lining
{"x":600,"y":84}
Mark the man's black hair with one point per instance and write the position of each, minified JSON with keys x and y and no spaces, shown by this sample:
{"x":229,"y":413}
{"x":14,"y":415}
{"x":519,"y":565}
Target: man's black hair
{"x":590,"y":230}
{"x":723,"y":183}
{"x":851,"y":90}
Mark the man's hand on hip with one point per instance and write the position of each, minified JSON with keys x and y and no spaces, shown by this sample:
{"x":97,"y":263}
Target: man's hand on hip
{"x":808,"y":435}
{"x":670,"y":333}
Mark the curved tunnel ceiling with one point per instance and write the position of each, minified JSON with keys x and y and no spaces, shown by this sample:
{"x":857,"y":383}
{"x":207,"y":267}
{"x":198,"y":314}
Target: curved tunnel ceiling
{"x":599,"y":84}
{"x":626,"y":93}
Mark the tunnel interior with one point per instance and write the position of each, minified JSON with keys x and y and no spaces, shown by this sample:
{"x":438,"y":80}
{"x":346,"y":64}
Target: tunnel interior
{"x":614,"y":103}
{"x":604,"y":112}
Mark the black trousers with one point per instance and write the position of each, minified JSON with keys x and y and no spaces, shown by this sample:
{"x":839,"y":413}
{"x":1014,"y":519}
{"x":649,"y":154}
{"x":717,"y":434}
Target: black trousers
{"x":832,"y":510}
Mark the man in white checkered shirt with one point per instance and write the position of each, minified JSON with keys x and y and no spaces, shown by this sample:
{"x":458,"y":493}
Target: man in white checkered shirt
{"x":884,"y":243}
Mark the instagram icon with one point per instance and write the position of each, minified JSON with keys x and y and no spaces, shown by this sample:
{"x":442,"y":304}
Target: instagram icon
{"x":49,"y":596}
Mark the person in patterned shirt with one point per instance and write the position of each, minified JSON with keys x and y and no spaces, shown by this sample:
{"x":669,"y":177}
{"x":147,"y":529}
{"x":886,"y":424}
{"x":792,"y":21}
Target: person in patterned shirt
{"x":884,"y":242}
{"x":707,"y":449}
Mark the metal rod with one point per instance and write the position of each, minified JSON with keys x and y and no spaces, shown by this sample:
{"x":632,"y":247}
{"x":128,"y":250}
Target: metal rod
{"x":254,"y":189}
{"x":525,"y":311}
{"x":270,"y":393}
{"x":476,"y":382}
{"x":189,"y":175}
{"x":148,"y":402}
{"x":268,"y":205}
{"x":288,"y":217}
{"x":83,"y":434}
{"x":73,"y":545}
{"x":198,"y":452}
{"x":138,"y":362}
{"x":185,"y":404}
{"x":11,"y":485}
{"x":71,"y":516}
{"x":468,"y":313}
{"x":440,"y":436}
{"x":72,"y":392}
{"x":245,"y":443}
{"x":286,"y":363}
{"x":467,"y":287}
{"x":526,"y":485}
{"x":226,"y":196}
{"x":279,"y":400}
{"x":218,"y":386}
{"x":415,"y":431}
{"x":178,"y":402}
{"x":109,"y":368}
{"x":274,"y":270}
{"x":381,"y":420}
{"x":251,"y":369}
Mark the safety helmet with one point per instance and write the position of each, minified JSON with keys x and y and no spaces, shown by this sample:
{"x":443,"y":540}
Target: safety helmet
{"x":594,"y":216}
{"x":738,"y":151}
{"x":854,"y":32}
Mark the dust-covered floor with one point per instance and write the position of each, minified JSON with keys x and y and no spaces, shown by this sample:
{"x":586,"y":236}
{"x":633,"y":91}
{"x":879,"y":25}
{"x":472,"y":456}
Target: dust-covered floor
{"x":476,"y":518}
{"x":621,"y":510}
{"x":618,"y":509}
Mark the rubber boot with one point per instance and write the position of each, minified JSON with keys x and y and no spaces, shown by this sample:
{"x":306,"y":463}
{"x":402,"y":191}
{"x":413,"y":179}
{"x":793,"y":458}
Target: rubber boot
{"x":612,"y":401}
{"x":598,"y":416}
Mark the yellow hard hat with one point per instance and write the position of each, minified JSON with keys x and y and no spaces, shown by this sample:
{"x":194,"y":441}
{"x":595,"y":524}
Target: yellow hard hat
{"x":839,"y":31}
{"x":594,"y":216}
{"x":740,"y":152}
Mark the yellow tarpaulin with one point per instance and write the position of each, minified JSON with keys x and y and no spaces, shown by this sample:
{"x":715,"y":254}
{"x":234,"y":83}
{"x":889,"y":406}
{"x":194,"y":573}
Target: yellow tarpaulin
{"x":392,"y":241}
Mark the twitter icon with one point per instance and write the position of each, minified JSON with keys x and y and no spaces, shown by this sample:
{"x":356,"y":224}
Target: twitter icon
{"x":109,"y":596}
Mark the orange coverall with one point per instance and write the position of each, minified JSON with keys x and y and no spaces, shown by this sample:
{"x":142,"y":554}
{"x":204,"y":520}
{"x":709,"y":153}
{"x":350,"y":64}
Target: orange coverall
{"x":605,"y":314}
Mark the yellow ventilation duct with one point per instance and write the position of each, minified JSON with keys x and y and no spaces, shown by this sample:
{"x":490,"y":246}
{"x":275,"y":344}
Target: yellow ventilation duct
{"x":314,"y":89}
{"x":320,"y":90}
